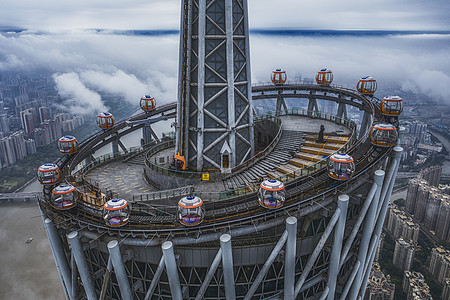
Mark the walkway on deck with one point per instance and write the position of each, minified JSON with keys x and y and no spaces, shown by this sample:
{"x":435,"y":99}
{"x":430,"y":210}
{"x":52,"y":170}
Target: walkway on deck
{"x":298,"y":135}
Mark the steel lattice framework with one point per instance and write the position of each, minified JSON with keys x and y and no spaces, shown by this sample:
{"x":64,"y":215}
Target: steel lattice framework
{"x":215,"y":114}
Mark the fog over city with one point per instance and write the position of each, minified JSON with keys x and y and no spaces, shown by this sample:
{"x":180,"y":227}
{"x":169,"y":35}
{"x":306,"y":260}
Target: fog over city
{"x":62,"y":39}
{"x":86,"y":63}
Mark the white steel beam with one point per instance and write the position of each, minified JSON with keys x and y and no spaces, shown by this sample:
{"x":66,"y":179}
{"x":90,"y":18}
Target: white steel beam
{"x":77,"y":251}
{"x":289,"y":262}
{"x":60,"y":257}
{"x":227,"y":265}
{"x":339,"y":230}
{"x":201,"y":82}
{"x":312,"y":258}
{"x":119,"y":270}
{"x":172,"y":270}
{"x":367,"y":232}
{"x":230,"y":80}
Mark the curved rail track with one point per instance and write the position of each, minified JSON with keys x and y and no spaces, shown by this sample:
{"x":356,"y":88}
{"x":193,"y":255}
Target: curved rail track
{"x":236,"y":211}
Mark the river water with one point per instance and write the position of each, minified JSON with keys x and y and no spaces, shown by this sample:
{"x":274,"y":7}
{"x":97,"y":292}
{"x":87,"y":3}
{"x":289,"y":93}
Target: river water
{"x":446,"y":143}
{"x":28,"y":271}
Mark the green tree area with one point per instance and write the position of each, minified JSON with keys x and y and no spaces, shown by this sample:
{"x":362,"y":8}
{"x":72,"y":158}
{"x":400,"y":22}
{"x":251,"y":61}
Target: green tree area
{"x":14,"y":177}
{"x":420,"y":264}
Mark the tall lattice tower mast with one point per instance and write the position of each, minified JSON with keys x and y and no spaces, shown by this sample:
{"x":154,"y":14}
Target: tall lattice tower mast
{"x":215,"y":112}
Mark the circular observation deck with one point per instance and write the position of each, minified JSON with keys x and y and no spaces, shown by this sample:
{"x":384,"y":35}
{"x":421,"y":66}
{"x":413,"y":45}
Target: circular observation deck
{"x":289,"y":151}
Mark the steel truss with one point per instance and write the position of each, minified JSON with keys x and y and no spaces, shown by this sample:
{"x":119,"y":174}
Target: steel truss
{"x":216,"y":111}
{"x":96,"y":270}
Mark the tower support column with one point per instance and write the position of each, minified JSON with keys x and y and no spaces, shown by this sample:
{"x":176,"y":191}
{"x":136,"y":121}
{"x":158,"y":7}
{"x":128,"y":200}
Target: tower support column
{"x":227,"y":264}
{"x":365,"y":124}
{"x":60,"y":258}
{"x":367,"y":232}
{"x":342,"y":111}
{"x":119,"y":269}
{"x":384,"y":203}
{"x":337,"y":246}
{"x":172,"y":270}
{"x":77,"y":251}
{"x":289,"y":263}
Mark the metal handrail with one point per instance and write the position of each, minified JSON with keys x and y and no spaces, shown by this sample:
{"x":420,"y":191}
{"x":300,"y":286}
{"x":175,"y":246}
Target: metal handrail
{"x":267,"y":150}
{"x":214,"y":175}
{"x":267,"y":214}
{"x":307,"y":171}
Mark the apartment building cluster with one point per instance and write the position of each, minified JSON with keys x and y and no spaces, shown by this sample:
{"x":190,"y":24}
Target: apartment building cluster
{"x":379,"y":286}
{"x":429,"y":203}
{"x":440,"y":265}
{"x":415,"y":287}
{"x":399,"y":225}
{"x":28,"y":117}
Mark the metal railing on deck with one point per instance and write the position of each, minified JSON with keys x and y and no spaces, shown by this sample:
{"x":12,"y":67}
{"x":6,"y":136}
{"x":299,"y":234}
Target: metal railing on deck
{"x":215,"y":198}
{"x":306,"y":171}
{"x":158,"y":195}
{"x":213,"y":175}
{"x":267,"y":150}
{"x":102,"y":159}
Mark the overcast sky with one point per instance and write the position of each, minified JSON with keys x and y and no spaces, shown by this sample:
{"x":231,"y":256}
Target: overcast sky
{"x":86,"y":63}
{"x":56,"y":15}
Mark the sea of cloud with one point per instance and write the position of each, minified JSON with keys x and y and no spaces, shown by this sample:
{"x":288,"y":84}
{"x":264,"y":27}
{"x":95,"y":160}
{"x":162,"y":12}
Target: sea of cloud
{"x":86,"y":64}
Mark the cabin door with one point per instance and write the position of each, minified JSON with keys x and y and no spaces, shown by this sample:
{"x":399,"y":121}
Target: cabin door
{"x":225,"y":160}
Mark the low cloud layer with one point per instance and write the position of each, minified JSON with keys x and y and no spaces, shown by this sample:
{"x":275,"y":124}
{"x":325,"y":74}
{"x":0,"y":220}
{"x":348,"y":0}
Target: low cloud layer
{"x":77,"y":97}
{"x":119,"y":83}
{"x":87,"y":64}
{"x":400,"y":63}
{"x":433,"y":83}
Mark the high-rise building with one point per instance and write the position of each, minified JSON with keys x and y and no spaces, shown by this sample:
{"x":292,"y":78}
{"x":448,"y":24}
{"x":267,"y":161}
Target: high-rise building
{"x":401,"y":226}
{"x":7,"y":153}
{"x":418,"y":129}
{"x":45,"y":113}
{"x":432,"y":175}
{"x":61,"y":117}
{"x":434,"y":203}
{"x":430,"y":206}
{"x":403,"y":254}
{"x":12,"y":148}
{"x":379,"y":286}
{"x":446,"y":290}
{"x":443,"y":222}
{"x":4,"y":124}
{"x":18,"y":140}
{"x":29,"y":120}
{"x":423,"y":194}
{"x":415,"y":287}
{"x":440,"y":264}
{"x":411,"y":195}
{"x":41,"y":136}
{"x":30,"y":145}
